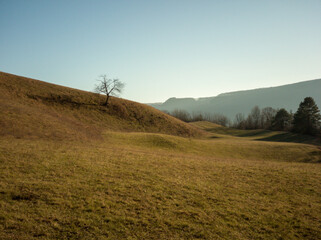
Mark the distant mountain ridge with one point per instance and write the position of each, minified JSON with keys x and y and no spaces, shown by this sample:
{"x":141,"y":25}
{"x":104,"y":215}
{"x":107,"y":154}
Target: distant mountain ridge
{"x":229,"y":104}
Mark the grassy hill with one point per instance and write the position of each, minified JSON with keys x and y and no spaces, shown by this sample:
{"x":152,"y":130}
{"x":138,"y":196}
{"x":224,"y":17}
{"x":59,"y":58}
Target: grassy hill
{"x":71,"y":169}
{"x":32,"y":108}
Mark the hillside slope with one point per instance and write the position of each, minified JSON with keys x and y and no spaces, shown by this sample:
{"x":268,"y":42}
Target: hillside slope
{"x":159,"y":187}
{"x":229,"y":104}
{"x":54,"y":184}
{"x":35,"y":109}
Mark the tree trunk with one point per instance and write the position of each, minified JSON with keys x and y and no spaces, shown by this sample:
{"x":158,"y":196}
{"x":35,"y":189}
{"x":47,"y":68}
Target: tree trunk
{"x":107,"y":98}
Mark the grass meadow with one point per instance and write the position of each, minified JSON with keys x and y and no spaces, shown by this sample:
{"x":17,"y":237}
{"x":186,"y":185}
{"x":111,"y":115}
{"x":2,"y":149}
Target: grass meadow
{"x":156,"y":186}
{"x":73,"y":169}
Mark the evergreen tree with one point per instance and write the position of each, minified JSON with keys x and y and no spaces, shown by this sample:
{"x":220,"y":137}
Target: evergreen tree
{"x":307,"y":118}
{"x":281,"y":120}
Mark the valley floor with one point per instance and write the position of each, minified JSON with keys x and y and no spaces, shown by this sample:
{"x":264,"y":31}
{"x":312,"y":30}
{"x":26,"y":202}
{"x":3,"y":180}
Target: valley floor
{"x":154,"y":186}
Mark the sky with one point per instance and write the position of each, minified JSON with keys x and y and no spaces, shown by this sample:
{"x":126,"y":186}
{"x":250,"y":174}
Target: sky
{"x":163,"y":48}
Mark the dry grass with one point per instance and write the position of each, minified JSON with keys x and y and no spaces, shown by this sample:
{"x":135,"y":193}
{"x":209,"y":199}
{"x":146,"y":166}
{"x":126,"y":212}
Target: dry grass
{"x":35,"y":109}
{"x":147,"y":186}
{"x":70,"y":169}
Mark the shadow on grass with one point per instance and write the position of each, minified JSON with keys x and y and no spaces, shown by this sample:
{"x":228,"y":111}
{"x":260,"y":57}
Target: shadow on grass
{"x":238,"y":132}
{"x":291,"y":137}
{"x":253,"y":133}
{"x":214,"y":137}
{"x":314,"y":154}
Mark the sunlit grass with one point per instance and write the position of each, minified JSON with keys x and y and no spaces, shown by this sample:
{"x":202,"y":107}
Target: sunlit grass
{"x":34,"y":109}
{"x":152,"y":186}
{"x":221,"y":147}
{"x":72,"y":169}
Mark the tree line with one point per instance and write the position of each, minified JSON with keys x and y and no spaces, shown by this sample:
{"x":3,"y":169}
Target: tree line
{"x":197,"y":116}
{"x":306,"y":120}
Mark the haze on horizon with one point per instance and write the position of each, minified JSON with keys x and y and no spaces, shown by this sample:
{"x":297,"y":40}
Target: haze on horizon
{"x":163,"y":49}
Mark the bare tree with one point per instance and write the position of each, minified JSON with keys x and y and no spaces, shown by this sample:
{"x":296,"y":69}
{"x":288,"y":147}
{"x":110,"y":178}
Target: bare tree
{"x":109,"y":87}
{"x":240,"y":121}
{"x":197,"y":116}
{"x":255,"y":117}
{"x":219,"y":119}
{"x":181,"y":114}
{"x":267,"y":116}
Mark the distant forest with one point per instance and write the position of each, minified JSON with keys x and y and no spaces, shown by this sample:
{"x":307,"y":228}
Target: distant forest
{"x":306,"y":120}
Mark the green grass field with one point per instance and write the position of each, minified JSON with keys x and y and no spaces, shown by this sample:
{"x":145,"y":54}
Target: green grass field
{"x":109,"y":183}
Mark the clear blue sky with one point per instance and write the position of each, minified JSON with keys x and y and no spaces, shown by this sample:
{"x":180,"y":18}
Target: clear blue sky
{"x":163,"y":48}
